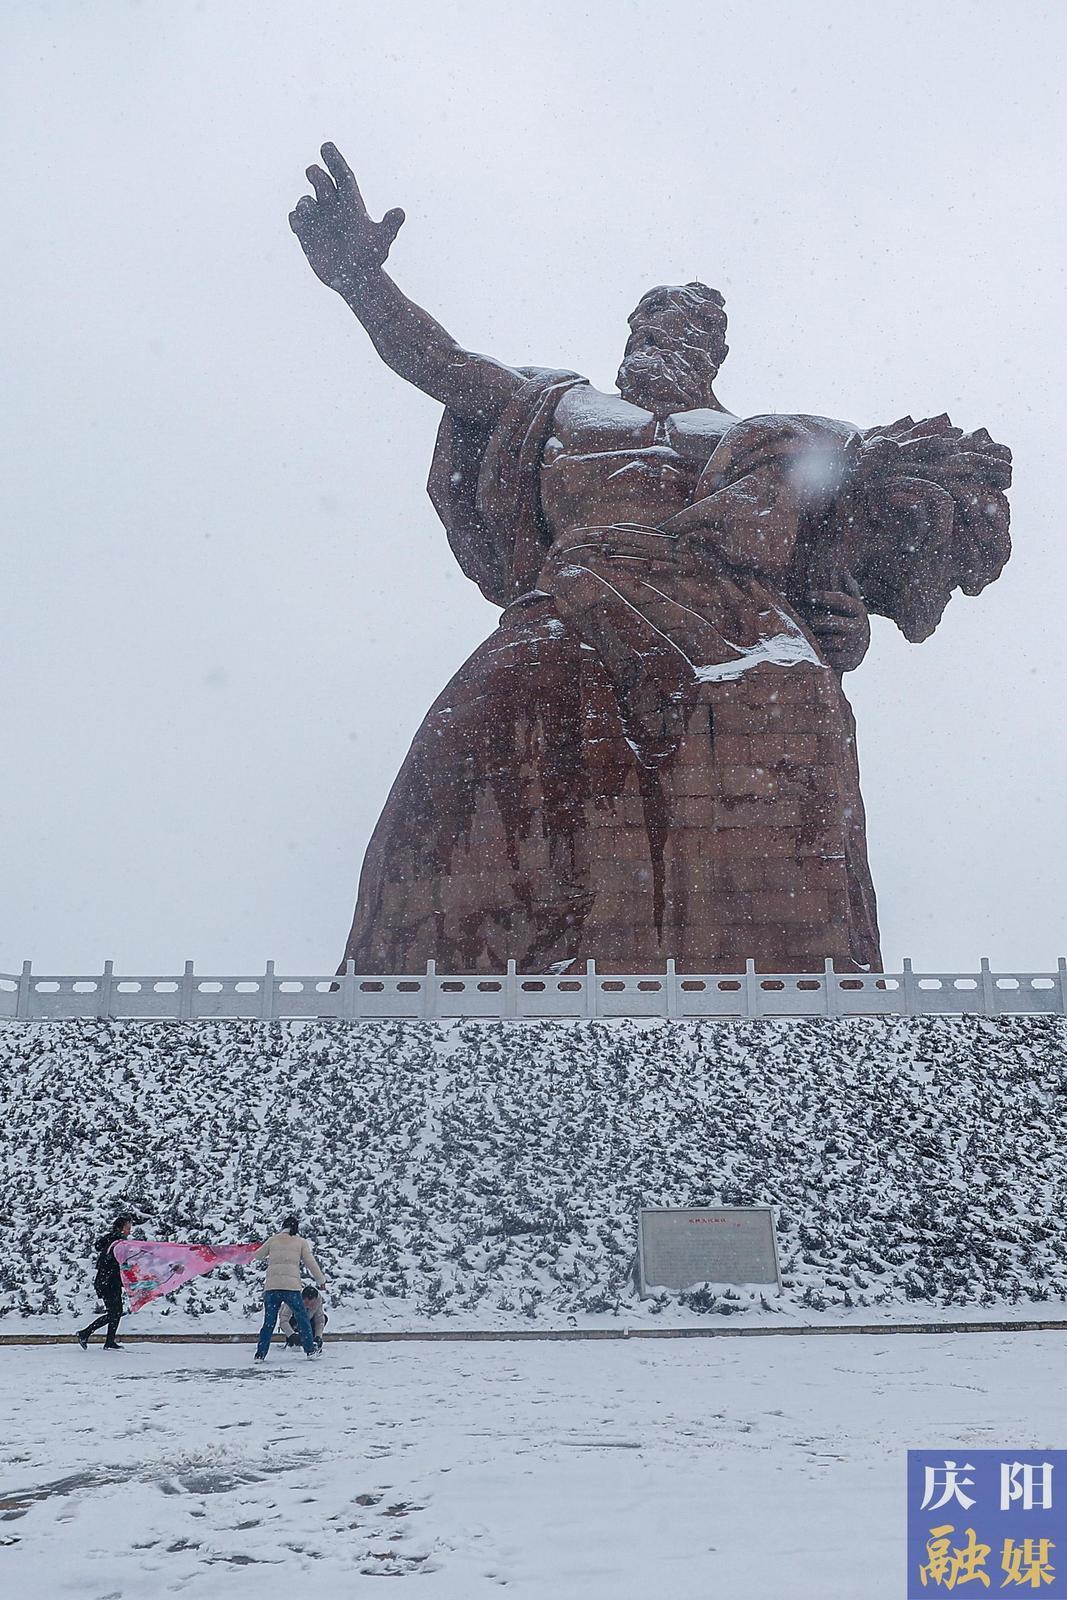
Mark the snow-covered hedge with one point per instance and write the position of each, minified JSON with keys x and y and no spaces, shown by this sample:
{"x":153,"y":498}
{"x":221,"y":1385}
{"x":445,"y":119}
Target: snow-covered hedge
{"x":492,"y":1171}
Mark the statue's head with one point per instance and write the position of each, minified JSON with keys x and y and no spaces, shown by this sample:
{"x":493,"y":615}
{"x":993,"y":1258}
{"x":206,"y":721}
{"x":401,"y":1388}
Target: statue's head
{"x":676,"y":346}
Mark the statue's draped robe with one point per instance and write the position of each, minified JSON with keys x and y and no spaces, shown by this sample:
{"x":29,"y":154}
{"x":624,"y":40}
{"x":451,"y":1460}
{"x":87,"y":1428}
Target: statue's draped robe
{"x":649,"y":758}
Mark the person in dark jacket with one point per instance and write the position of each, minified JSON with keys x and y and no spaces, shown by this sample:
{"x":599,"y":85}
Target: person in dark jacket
{"x":312,"y":1298}
{"x":108,"y":1284}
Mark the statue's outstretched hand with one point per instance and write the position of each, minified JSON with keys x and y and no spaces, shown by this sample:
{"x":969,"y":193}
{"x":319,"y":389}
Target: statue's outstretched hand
{"x":838,"y":619}
{"x":336,"y":232}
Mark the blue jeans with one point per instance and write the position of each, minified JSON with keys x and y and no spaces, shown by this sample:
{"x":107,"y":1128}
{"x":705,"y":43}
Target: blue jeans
{"x":273,"y":1299}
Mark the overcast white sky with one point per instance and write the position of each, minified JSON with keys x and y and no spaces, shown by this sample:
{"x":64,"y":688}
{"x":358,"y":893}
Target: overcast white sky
{"x":226,"y":600}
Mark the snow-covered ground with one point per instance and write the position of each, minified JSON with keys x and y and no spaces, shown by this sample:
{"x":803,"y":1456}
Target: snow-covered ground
{"x":489,"y":1174}
{"x":693,"y":1469}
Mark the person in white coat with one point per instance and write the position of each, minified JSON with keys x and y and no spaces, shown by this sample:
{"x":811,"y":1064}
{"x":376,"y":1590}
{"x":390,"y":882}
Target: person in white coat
{"x":286,"y":1255}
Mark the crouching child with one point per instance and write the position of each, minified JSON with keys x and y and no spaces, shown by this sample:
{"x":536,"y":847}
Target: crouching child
{"x":316,"y":1311}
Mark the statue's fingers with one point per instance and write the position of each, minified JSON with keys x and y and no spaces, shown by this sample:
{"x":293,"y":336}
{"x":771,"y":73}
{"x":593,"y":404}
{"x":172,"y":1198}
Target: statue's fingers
{"x":392,"y":223}
{"x":325,"y":193}
{"x":342,"y":175}
{"x":833,"y":621}
{"x":306,"y":223}
{"x":302,"y":216}
{"x":844,"y":599}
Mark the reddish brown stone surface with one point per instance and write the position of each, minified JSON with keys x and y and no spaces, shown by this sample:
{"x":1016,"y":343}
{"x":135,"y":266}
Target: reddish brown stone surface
{"x":561,"y":848}
{"x":652,"y":757}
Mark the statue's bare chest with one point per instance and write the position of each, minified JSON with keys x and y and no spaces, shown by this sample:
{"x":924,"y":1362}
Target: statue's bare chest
{"x":612,"y":459}
{"x":588,"y":422}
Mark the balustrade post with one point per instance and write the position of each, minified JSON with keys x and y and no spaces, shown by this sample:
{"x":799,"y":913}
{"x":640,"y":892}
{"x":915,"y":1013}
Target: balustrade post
{"x":22,"y":1005}
{"x":350,"y":992}
{"x":753,"y":993}
{"x":266,"y":994}
{"x":592,"y":991}
{"x":429,"y":992}
{"x":910,"y":990}
{"x":989,"y":993}
{"x":187,"y":995}
{"x":511,"y":991}
{"x":829,"y":979}
{"x":1062,"y":968}
{"x":104,"y":992}
{"x":671,"y":987}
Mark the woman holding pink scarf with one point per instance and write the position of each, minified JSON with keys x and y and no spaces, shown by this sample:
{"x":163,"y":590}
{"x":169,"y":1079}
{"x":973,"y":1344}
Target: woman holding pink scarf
{"x":286,"y":1254}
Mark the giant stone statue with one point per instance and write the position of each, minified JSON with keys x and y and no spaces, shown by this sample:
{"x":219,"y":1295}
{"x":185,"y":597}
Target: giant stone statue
{"x":652,"y":756}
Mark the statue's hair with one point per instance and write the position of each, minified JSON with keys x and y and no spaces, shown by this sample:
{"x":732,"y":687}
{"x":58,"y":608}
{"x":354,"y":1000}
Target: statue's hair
{"x":704,"y":309}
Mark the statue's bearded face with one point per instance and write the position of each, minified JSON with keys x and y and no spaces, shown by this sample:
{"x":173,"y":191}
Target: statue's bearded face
{"x":675,"y":349}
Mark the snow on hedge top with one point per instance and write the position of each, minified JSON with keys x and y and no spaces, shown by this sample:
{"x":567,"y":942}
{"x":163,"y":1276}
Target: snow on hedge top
{"x":493,"y":1171}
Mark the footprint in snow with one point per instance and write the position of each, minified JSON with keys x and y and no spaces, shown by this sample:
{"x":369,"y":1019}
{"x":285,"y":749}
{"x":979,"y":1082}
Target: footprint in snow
{"x":391,"y":1564}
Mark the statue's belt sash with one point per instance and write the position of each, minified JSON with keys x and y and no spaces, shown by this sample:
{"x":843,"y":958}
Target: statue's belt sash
{"x":663,"y":624}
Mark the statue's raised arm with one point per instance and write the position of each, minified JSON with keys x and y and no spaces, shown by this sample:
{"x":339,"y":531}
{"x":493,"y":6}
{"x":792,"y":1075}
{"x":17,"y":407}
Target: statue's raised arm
{"x":347,"y":250}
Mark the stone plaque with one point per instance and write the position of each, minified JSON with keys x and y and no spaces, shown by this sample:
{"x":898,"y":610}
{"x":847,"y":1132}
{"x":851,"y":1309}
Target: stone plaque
{"x":680,"y":1246}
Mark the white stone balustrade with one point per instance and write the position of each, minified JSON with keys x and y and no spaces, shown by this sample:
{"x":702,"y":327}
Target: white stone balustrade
{"x":355,"y":997}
